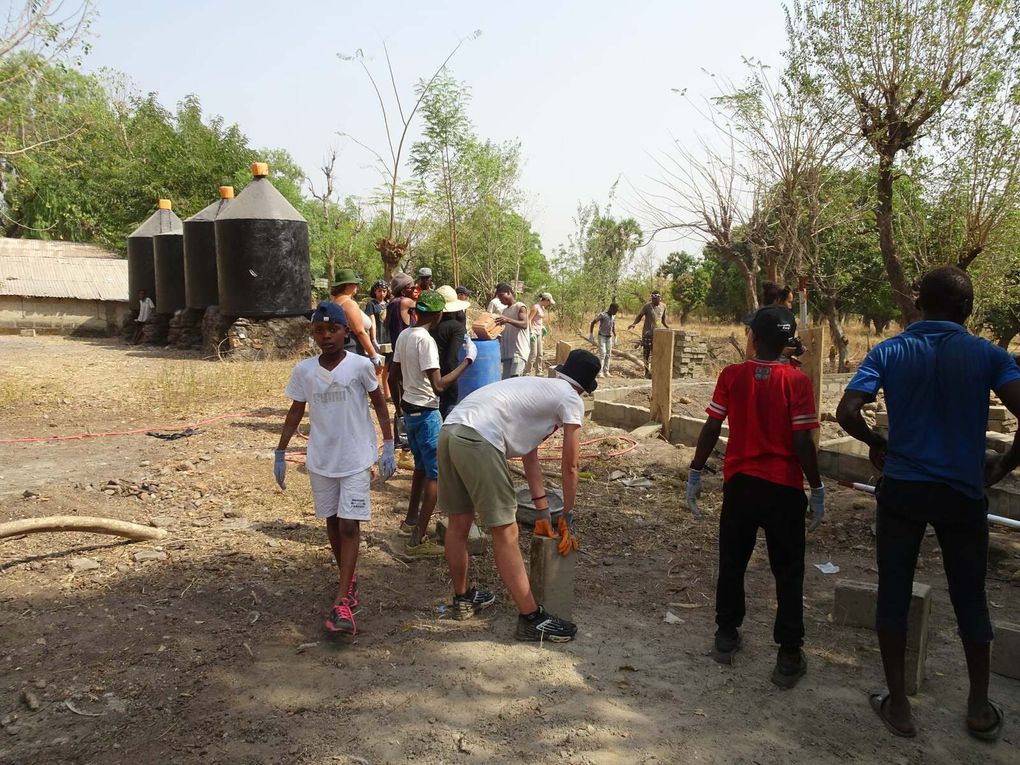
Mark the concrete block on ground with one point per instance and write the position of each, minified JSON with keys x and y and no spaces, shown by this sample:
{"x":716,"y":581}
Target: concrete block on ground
{"x":477,"y":541}
{"x":855,"y":607}
{"x":648,"y":430}
{"x":552,"y":576}
{"x":26,"y":332}
{"x":1006,"y":650}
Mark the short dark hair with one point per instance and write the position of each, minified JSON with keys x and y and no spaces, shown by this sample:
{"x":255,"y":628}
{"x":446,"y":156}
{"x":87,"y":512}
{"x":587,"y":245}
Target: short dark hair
{"x":775,"y":293}
{"x":946,"y":291}
{"x":504,"y":287}
{"x":613,"y":308}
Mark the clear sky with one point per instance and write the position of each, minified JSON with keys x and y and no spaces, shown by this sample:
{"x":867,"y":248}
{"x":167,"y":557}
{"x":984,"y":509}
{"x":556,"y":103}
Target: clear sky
{"x":585,"y":86}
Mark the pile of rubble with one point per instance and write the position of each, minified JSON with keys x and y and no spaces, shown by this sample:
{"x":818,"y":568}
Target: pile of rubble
{"x":185,"y":329}
{"x":267,"y":338}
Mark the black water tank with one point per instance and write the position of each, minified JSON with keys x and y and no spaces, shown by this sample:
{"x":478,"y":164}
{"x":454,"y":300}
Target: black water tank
{"x":168,"y":256}
{"x":141,"y":267}
{"x":200,"y":253}
{"x":262,"y":253}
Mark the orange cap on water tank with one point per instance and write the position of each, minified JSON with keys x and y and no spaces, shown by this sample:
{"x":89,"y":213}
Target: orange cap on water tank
{"x":165,"y":204}
{"x":226,"y":192}
{"x":259,"y":169}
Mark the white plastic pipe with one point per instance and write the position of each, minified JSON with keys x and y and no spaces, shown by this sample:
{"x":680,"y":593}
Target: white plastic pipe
{"x":869,"y":489}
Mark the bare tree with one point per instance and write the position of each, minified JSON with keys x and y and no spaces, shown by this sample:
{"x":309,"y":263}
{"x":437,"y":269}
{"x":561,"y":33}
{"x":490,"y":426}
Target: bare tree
{"x":394,"y":247}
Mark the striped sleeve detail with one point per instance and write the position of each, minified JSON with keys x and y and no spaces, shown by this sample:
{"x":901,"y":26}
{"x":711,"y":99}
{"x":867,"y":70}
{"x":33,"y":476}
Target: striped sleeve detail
{"x":804,"y":421}
{"x":716,"y":410}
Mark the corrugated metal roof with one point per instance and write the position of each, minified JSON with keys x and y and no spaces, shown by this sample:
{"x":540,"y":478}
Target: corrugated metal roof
{"x":41,"y":248}
{"x":87,"y":277}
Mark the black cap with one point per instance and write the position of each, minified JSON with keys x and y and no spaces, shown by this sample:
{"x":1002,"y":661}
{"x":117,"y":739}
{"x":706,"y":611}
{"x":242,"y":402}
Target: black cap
{"x":581,"y":367}
{"x":462,"y":290}
{"x":504,"y":287}
{"x":774,"y":323}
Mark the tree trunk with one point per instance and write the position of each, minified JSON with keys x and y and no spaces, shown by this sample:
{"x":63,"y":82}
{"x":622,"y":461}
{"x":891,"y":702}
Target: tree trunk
{"x":838,"y":338}
{"x":684,"y":313}
{"x":750,"y":288}
{"x":903,"y":295}
{"x":391,"y":253}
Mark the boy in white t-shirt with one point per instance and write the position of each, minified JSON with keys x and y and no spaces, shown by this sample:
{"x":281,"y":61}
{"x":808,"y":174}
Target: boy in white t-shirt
{"x":418,"y":385}
{"x":341,"y":447}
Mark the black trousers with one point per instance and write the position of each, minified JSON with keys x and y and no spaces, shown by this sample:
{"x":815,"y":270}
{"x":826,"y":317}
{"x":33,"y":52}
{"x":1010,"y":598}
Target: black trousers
{"x":749,"y":504}
{"x":905,"y":508}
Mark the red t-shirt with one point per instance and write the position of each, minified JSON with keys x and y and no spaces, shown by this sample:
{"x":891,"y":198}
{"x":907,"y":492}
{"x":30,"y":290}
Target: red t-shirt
{"x":765,"y":402}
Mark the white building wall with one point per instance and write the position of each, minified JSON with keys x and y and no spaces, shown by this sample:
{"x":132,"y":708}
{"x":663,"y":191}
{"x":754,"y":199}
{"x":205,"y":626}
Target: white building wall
{"x":61,"y":315}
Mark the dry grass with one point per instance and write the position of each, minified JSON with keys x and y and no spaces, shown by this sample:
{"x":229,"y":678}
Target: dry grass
{"x":184,"y":388}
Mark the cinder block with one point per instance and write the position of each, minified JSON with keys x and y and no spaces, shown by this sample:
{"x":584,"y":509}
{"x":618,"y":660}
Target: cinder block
{"x":27,"y":332}
{"x":998,"y":413}
{"x":855,"y":607}
{"x":1006,"y":650}
{"x":648,"y":430}
{"x":552,"y":576}
{"x":477,"y":541}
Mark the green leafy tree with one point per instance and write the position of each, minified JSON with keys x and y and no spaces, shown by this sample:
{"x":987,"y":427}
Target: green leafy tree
{"x":690,"y":281}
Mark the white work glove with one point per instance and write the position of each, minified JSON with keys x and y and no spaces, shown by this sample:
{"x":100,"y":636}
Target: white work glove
{"x":693,"y":491}
{"x":280,"y":467}
{"x":378,"y":361}
{"x":375,"y":345}
{"x":388,"y":461}
{"x":470,"y":351}
{"x":816,"y":506}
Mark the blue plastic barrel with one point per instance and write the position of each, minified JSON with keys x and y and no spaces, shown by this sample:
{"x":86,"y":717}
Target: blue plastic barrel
{"x":487,"y":368}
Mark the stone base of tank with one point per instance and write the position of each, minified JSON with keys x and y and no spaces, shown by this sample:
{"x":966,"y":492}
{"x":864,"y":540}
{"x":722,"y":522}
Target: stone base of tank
{"x":185,"y":329}
{"x":279,"y":338}
{"x":127,"y":327}
{"x":157,"y":329}
{"x":214,"y":331}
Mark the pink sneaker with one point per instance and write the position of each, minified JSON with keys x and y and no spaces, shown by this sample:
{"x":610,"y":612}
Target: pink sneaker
{"x":341,"y":619}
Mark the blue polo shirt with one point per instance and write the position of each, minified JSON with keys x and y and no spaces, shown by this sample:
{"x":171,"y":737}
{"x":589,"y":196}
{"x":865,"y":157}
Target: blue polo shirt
{"x":936,"y":377}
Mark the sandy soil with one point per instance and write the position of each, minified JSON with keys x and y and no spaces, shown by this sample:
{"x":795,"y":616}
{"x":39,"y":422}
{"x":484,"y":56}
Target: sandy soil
{"x":215,"y":653}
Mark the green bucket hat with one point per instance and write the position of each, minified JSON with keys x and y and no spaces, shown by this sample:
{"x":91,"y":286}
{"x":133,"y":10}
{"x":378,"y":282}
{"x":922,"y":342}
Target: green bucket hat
{"x":346,"y":276}
{"x":430,"y":301}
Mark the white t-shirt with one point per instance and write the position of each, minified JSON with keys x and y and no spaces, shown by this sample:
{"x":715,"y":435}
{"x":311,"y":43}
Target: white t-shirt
{"x":495,"y":306}
{"x":342,"y":440}
{"x":538,"y":318}
{"x":515,"y":341}
{"x":145,"y":309}
{"x":416,"y":351}
{"x":518,"y":414}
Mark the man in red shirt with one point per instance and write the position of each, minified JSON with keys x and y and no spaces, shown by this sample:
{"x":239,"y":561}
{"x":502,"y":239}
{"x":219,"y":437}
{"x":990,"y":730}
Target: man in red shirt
{"x":771,"y":412}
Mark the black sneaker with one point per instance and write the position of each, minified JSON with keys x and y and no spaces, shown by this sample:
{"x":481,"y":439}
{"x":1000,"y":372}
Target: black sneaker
{"x":791,"y":664}
{"x":544,"y":626}
{"x":726,"y":645}
{"x":470,"y":603}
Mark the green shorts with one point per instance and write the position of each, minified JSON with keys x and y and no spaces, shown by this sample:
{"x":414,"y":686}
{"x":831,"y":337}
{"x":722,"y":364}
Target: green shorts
{"x":474,"y":478}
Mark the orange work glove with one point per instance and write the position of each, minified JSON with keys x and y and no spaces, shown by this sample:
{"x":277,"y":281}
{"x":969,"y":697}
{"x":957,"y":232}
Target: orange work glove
{"x":568,"y":542}
{"x":543,"y":527}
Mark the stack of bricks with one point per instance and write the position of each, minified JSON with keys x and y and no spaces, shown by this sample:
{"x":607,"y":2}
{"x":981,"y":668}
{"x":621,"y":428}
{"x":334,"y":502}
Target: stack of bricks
{"x":1000,"y":420}
{"x":689,"y":353}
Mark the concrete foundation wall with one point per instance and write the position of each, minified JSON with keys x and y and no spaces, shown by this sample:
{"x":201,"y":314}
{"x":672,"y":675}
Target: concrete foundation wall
{"x":61,"y":315}
{"x":833,"y":385}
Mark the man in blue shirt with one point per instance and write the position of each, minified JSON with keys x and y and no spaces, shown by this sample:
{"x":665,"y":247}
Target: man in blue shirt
{"x":936,"y":377}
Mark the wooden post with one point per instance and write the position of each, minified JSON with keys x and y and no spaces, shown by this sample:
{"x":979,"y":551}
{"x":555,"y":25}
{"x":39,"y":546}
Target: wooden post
{"x":662,"y":378}
{"x":562,"y":351}
{"x":812,"y":364}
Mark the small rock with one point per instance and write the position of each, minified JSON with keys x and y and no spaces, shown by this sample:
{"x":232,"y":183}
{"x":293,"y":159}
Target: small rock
{"x":29,"y":494}
{"x":35,"y":566}
{"x":145,"y":555}
{"x":162,"y":521}
{"x":61,"y":741}
{"x":185,"y":466}
{"x":30,"y":700}
{"x":123,"y":568}
{"x":616,"y":475}
{"x":231,"y":514}
{"x":144,"y":463}
{"x":78,"y":565}
{"x":8,"y":719}
{"x":273,"y":543}
{"x":39,"y":683}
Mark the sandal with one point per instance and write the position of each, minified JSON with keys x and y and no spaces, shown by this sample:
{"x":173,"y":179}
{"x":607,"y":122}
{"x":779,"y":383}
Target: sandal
{"x":993,"y":733}
{"x":878,"y":699}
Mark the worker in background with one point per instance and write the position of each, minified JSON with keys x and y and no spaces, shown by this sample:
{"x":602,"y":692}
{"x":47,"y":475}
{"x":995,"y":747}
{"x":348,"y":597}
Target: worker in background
{"x":936,"y":376}
{"x":449,"y":336}
{"x":536,"y":320}
{"x":654,"y":313}
{"x":514,"y":342}
{"x":495,"y":306}
{"x":771,"y":411}
{"x":463,"y":293}
{"x":495,"y":423}
{"x":145,"y":310}
{"x":774,"y":294}
{"x":375,"y":308}
{"x":607,"y":335}
{"x":399,"y":316}
{"x":359,"y":340}
{"x":424,"y":281}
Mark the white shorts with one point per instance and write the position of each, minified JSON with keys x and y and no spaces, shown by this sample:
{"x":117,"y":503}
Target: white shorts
{"x":346,"y":497}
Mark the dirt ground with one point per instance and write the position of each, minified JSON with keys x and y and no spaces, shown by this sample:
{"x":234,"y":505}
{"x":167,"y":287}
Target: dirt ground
{"x":214,"y":651}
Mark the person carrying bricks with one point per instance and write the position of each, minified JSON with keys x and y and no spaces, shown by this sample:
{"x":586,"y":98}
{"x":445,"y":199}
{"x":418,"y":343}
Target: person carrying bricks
{"x":936,"y":377}
{"x":771,"y":411}
{"x":654,"y":313}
